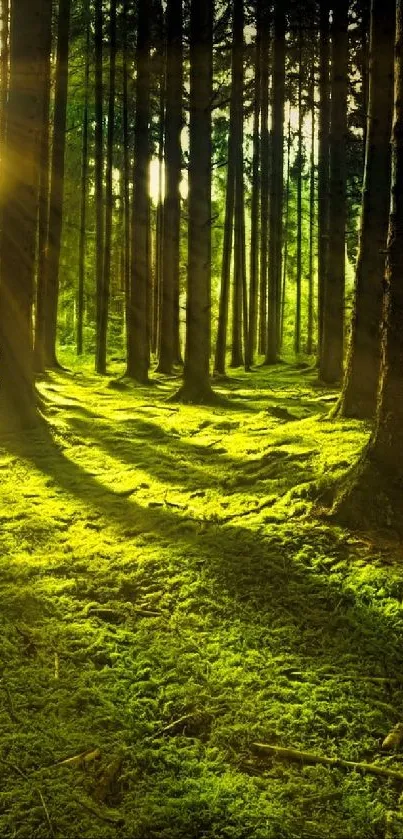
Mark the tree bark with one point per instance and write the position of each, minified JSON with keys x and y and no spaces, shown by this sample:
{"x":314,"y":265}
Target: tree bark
{"x":84,"y":179}
{"x":18,"y":207}
{"x":99,"y":180}
{"x":239,"y":210}
{"x":138,"y":321}
{"x":221,"y":343}
{"x":298,"y":278}
{"x":255,"y":200}
{"x":331,"y":362}
{"x":362,"y":369}
{"x":265,"y":174}
{"x":323,"y":163}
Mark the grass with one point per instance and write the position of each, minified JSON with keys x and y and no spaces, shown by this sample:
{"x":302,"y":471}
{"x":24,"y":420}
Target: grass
{"x":168,"y":598}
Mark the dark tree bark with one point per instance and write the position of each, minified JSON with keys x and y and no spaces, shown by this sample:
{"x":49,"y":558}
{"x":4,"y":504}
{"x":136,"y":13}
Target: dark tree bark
{"x":126,"y":163}
{"x":323,"y":162}
{"x":84,"y":179}
{"x":276,"y":193}
{"x":362,"y":368}
{"x":99,"y":179}
{"x":298,"y":277}
{"x":196,"y":386}
{"x":331,"y":362}
{"x":173,"y":175}
{"x":312,"y":203}
{"x":18,"y":207}
{"x":138,"y":320}
{"x":372,"y":492}
{"x":43,"y":203}
{"x":4,"y":62}
{"x":221,"y":343}
{"x":265,"y":174}
{"x":286,"y":230}
{"x":106,"y":272}
{"x":255,"y":200}
{"x":239,"y":209}
{"x":57,"y":183}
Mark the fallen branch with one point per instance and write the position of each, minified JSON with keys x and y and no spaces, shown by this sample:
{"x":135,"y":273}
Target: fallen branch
{"x":266,"y":750}
{"x":172,"y":727}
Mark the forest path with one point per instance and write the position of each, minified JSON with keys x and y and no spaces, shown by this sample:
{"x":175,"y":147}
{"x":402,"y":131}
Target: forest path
{"x":167,"y":599}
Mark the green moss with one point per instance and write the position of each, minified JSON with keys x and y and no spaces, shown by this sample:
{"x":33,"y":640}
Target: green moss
{"x":167,"y":598}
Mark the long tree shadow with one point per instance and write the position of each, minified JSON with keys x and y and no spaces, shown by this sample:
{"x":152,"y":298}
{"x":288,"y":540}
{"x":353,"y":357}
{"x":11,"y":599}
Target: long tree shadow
{"x":261,"y":574}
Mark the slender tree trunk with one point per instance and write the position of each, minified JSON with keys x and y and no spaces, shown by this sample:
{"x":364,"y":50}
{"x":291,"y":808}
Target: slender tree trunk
{"x":309,"y":343}
{"x":159,"y":224}
{"x":138,"y":322}
{"x":84,"y":179}
{"x":298,"y":278}
{"x":43,"y":203}
{"x":99,"y":181}
{"x":255,"y":199}
{"x":173,"y":175}
{"x":363,"y":360}
{"x":323,"y":164}
{"x":197,"y":387}
{"x":221,"y":344}
{"x":286,"y":229}
{"x":276,"y":196}
{"x":4,"y":68}
{"x":126,"y":165}
{"x":106,"y":272}
{"x":239,"y":215}
{"x":57,"y":183}
{"x":265,"y":174}
{"x":331,"y":368}
{"x":18,"y":207}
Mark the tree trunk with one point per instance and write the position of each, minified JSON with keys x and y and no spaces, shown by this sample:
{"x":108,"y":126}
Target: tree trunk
{"x":265,"y":174}
{"x":19,"y":205}
{"x":239,"y":212}
{"x":106,"y":272}
{"x":173,"y":175}
{"x":99,"y":181}
{"x":298,"y":278}
{"x":362,"y":369}
{"x":138,"y":321}
{"x":255,"y":198}
{"x":196,"y":387}
{"x":286,"y":229}
{"x":221,"y":344}
{"x":309,"y":343}
{"x":277,"y":188}
{"x":84,"y":178}
{"x":57,"y":183}
{"x":331,"y":366}
{"x":126,"y":165}
{"x":43,"y":204}
{"x":323,"y":163}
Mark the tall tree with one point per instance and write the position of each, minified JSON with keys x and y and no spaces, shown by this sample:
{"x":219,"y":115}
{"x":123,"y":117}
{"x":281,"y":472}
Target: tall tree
{"x":173,"y":175}
{"x":255,"y":201}
{"x":138,"y":318}
{"x":84,"y":179}
{"x":99,"y":178}
{"x":239,"y":208}
{"x":196,"y":385}
{"x":106,"y":271}
{"x":277,"y":188}
{"x":323,"y":160}
{"x":264,"y":17}
{"x":362,"y":368}
{"x":18,"y":207}
{"x":221,"y":342}
{"x":331,"y":361}
{"x":52,"y":267}
{"x":298,"y":277}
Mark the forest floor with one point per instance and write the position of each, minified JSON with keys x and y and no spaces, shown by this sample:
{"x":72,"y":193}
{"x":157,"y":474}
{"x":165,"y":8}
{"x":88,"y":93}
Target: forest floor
{"x":168,"y":598}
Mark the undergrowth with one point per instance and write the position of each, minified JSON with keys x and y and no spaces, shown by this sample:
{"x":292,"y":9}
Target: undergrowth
{"x":168,"y":598}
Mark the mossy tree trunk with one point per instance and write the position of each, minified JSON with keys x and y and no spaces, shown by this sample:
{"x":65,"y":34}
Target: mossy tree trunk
{"x":362,"y":369}
{"x":197,"y":386}
{"x":19,"y":207}
{"x":138,"y":351}
{"x":173,"y":174}
{"x":331,"y":361}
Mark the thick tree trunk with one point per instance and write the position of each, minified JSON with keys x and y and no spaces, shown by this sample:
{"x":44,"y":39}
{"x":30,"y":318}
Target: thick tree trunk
{"x":138,"y":321}
{"x":4,"y":62}
{"x":362,"y":368}
{"x":83,"y":211}
{"x":57,"y":183}
{"x":99,"y":180}
{"x":126,"y":165}
{"x":18,"y":207}
{"x":173,"y":175}
{"x":331,"y":362}
{"x":43,"y":204}
{"x":277,"y":187}
{"x":197,"y":387}
{"x":106,"y":273}
{"x":323,"y":162}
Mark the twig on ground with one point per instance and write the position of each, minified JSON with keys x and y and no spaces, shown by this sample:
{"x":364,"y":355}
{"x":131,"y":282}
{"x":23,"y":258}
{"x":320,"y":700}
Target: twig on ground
{"x":267,"y":750}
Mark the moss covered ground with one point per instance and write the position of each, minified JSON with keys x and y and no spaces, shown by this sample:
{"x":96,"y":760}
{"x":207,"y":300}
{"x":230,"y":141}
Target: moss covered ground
{"x":168,"y":598}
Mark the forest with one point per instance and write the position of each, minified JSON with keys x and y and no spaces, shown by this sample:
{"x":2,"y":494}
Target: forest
{"x":201,"y":419}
